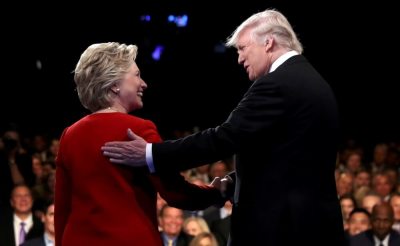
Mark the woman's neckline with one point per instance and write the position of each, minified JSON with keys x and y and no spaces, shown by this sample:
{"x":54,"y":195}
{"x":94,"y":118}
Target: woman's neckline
{"x":107,"y":110}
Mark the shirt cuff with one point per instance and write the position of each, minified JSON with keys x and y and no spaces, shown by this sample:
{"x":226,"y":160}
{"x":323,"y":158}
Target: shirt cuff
{"x":149,"y":158}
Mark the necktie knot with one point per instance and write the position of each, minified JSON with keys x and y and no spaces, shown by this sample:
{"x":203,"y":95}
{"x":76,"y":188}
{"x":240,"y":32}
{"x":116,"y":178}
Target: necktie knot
{"x":170,"y":242}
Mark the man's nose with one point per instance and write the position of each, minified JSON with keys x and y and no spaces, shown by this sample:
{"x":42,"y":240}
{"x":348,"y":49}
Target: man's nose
{"x":240,"y":59}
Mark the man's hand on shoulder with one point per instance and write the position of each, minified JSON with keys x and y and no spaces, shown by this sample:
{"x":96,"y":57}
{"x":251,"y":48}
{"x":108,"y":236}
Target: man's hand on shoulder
{"x":131,"y":153}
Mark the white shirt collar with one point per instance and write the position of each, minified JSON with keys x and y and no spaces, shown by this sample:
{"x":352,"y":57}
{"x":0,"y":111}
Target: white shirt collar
{"x":384,"y":242}
{"x":17,"y":226}
{"x":28,"y":221}
{"x":223,"y":212}
{"x":282,"y":59}
{"x":47,"y":240}
{"x":396,"y":226}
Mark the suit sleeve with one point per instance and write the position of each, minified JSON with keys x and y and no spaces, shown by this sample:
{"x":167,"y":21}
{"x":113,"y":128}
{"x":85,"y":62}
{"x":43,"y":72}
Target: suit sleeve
{"x":261,"y":108}
{"x":62,"y":203}
{"x":179,"y":193}
{"x":173,"y":187}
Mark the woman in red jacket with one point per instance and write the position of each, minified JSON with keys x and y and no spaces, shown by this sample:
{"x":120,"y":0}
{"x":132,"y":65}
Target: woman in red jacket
{"x":96,"y":202}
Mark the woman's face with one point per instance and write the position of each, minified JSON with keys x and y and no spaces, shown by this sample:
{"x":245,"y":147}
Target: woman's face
{"x":131,"y":89}
{"x":192,"y":228}
{"x":347,"y":206}
{"x":205,"y":242}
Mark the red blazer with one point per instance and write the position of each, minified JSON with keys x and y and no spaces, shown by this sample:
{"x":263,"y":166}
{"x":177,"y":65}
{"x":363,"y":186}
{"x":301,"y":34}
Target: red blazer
{"x":99,"y":203}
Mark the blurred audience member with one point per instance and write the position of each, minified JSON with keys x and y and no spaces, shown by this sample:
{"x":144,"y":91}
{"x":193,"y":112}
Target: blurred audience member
{"x":204,"y":239}
{"x":171,"y":223}
{"x":21,"y":224}
{"x":344,"y":183}
{"x":395,"y":203}
{"x":382,"y":218}
{"x":370,"y":200}
{"x":47,"y":239}
{"x":359,"y":221}
{"x":382,"y":186}
{"x":195,"y":225}
{"x":347,"y":204}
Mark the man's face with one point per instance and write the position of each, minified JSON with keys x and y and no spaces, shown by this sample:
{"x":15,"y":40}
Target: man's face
{"x":347,"y":206}
{"x":362,"y":179}
{"x":382,"y":185}
{"x":395,"y":202}
{"x":171,"y":221}
{"x":381,"y":222}
{"x":254,"y":57}
{"x":48,"y":220}
{"x":21,"y":200}
{"x":358,"y":223}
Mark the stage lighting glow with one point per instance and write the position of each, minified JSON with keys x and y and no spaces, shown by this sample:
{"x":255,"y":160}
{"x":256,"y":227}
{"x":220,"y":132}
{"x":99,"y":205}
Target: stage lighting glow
{"x":171,"y":18}
{"x":145,"y":18}
{"x":156,"y":55}
{"x":179,"y":20}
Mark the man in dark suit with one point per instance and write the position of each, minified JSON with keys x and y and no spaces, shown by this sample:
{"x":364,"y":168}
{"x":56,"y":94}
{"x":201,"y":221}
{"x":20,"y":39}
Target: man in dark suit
{"x":47,"y":238}
{"x":11,"y":222}
{"x":284,"y":134}
{"x":171,"y":224}
{"x":219,"y":219}
{"x":220,"y":228}
{"x":381,"y":232}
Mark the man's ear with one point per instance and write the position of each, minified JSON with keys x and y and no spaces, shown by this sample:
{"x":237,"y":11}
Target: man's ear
{"x":268,"y":44}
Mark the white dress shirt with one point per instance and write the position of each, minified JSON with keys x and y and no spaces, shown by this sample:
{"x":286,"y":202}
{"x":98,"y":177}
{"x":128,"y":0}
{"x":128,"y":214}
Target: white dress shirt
{"x":223,"y":212}
{"x":47,"y":240}
{"x":385,"y":241}
{"x":17,"y":226}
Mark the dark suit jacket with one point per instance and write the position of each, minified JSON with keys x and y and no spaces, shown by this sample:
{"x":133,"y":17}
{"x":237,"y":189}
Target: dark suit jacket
{"x":183,"y":239}
{"x":284,"y":133}
{"x":367,"y":239}
{"x":211,"y":214}
{"x":220,"y":228}
{"x":39,"y":241}
{"x":7,"y":229}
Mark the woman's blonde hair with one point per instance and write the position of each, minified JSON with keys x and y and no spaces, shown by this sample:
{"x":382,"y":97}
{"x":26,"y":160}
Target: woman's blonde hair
{"x":100,"y":67}
{"x":196,"y":240}
{"x":200,"y":221}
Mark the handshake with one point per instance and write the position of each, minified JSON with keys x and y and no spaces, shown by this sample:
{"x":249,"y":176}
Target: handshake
{"x":225,"y":185}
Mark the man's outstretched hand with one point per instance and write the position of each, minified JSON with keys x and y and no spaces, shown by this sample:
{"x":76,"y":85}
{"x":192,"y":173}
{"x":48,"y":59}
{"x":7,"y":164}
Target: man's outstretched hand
{"x":225,"y":185}
{"x":131,"y":153}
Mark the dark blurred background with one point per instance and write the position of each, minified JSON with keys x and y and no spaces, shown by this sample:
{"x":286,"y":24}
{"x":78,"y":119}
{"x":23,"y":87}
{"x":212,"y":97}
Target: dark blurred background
{"x":196,"y":82}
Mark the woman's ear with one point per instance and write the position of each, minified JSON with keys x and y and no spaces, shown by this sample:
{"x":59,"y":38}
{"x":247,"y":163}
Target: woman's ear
{"x":115,"y":89}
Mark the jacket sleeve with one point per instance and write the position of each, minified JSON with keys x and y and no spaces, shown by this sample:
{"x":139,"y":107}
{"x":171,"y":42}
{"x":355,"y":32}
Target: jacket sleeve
{"x":179,"y":193}
{"x":261,"y":107}
{"x":62,"y":203}
{"x":173,"y":187}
